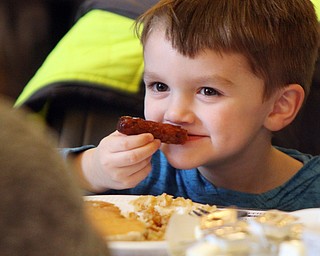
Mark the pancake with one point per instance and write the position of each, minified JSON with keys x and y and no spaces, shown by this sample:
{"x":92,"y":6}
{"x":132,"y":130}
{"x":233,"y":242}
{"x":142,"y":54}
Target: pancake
{"x":110,"y":223}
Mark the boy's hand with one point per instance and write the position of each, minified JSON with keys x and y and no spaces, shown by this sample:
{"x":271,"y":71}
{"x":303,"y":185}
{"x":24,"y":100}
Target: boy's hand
{"x":119,"y":161}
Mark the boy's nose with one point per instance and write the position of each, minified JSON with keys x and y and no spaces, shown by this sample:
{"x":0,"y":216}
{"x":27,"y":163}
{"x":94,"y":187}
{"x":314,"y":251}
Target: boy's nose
{"x":179,"y":111}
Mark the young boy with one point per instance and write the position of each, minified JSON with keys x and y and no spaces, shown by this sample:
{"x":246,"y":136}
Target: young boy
{"x":231,"y":73}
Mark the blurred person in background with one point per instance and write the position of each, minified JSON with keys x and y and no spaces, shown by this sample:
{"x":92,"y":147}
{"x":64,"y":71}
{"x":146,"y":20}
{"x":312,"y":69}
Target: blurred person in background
{"x":41,"y":207}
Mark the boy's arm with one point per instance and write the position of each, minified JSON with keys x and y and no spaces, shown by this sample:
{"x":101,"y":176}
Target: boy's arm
{"x":74,"y":157}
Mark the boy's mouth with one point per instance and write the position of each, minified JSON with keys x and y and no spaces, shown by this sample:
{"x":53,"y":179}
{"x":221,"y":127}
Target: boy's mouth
{"x":192,"y":137}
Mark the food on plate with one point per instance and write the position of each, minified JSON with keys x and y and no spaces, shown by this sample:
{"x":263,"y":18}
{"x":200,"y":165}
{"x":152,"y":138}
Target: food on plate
{"x":147,"y":222}
{"x":276,"y":225}
{"x":219,"y":231}
{"x":109,"y":222}
{"x":167,"y":133}
{"x":216,"y":219}
{"x":155,"y":212}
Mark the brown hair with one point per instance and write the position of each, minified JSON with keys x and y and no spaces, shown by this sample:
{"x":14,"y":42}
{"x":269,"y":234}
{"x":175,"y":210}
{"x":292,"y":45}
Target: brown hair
{"x":41,"y":204}
{"x":278,"y":38}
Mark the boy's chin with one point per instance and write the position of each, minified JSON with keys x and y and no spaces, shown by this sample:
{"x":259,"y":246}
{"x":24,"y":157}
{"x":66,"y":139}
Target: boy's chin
{"x":182,"y":165}
{"x":178,"y":158}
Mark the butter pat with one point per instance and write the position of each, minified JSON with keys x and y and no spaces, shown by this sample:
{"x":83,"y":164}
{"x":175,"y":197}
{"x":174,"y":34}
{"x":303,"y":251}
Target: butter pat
{"x":292,"y":248}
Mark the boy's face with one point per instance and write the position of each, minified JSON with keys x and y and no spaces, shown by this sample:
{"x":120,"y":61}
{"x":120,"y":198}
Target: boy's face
{"x":214,"y":96}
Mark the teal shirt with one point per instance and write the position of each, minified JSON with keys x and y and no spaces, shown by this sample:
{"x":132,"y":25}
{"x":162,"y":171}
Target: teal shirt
{"x":301,"y":191}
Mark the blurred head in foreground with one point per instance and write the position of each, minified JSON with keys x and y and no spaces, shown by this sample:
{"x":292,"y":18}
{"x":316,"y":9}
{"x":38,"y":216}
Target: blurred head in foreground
{"x":41,"y":210}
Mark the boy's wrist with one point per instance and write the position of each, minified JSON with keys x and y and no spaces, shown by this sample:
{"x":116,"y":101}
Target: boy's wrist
{"x":86,"y":171}
{"x":78,"y":160}
{"x":71,"y":152}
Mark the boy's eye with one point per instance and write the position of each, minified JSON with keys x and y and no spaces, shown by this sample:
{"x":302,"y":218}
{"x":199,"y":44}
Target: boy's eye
{"x":159,"y":87}
{"x":207,"y":91}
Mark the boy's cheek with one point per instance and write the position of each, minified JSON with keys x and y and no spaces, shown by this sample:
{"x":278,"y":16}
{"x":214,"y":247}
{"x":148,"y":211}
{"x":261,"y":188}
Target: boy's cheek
{"x":152,"y":112}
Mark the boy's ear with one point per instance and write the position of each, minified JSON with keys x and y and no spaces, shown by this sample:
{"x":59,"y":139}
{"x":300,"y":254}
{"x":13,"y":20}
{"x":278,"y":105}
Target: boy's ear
{"x":285,"y":108}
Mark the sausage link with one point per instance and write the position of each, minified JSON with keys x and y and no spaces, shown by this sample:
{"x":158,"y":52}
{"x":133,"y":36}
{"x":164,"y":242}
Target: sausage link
{"x":167,"y":133}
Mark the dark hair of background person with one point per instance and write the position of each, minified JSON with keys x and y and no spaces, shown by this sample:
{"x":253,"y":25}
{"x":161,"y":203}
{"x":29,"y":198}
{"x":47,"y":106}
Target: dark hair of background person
{"x":41,"y":207}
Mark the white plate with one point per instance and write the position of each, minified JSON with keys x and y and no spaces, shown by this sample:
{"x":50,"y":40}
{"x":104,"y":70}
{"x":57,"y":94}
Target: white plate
{"x":130,"y":248}
{"x":308,"y":217}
